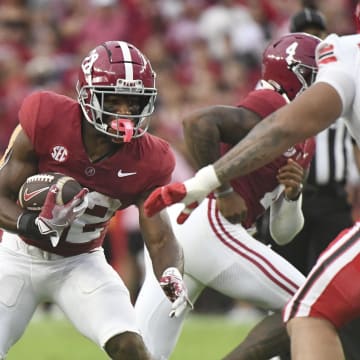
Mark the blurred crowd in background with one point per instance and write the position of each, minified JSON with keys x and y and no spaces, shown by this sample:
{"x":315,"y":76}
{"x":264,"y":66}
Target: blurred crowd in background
{"x":203,"y":51}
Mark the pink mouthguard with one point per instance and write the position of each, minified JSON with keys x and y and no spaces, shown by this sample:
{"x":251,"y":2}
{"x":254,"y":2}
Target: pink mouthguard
{"x":125,"y":126}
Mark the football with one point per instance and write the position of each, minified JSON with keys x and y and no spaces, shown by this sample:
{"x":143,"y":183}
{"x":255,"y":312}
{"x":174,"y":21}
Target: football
{"x":32,"y":193}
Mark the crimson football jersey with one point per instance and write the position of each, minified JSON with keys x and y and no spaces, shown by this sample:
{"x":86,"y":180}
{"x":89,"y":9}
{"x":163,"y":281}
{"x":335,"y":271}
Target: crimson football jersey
{"x":261,"y":187}
{"x":53,"y":124}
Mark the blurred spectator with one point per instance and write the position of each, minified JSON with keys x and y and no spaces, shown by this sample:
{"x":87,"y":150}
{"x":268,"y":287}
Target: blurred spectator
{"x":339,"y":14}
{"x":13,"y":88}
{"x":218,"y":22}
{"x":15,"y":29}
{"x":72,"y":20}
{"x":238,"y":77}
{"x":107,"y":19}
{"x":183,"y":29}
{"x":145,"y":14}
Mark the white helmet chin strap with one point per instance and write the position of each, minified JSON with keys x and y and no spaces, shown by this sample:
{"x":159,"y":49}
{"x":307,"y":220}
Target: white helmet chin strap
{"x":272,"y":85}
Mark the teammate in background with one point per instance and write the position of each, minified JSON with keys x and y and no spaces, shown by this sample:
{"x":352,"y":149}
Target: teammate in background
{"x":218,"y":251}
{"x":329,"y":298}
{"x":104,"y":145}
{"x":325,"y":201}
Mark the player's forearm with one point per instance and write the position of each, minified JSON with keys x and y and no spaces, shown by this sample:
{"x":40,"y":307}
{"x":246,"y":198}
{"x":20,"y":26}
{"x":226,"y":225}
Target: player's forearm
{"x":17,"y":220}
{"x":286,"y":219}
{"x":314,"y":110}
{"x":9,"y":214}
{"x":263,"y":144}
{"x":167,"y":256}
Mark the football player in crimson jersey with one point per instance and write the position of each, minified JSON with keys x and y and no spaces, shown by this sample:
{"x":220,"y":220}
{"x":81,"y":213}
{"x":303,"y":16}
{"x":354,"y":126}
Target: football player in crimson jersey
{"x":56,"y":255}
{"x":219,"y":249}
{"x":330,"y":295}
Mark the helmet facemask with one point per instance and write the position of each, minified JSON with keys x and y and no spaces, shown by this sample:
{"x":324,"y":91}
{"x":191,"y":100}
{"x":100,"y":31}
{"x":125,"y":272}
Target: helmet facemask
{"x":113,"y":69}
{"x":305,"y":74}
{"x":95,"y":111}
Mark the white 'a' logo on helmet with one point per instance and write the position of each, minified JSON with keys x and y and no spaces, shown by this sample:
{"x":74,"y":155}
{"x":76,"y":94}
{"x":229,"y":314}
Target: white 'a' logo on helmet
{"x":87,"y":65}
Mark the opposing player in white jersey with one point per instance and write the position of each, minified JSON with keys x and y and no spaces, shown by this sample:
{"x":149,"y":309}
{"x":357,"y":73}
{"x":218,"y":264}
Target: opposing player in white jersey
{"x":218,"y":251}
{"x":330,"y":296}
{"x":101,"y":141}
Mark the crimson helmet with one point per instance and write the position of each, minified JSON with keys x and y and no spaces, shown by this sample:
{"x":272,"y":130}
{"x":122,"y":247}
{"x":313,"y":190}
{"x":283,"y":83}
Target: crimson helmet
{"x":357,"y":17}
{"x":289,"y":63}
{"x":116,"y":68}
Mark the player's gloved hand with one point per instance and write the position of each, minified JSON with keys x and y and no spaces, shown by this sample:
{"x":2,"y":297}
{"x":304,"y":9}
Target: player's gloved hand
{"x":53,"y":218}
{"x":175,"y":289}
{"x":191,"y":192}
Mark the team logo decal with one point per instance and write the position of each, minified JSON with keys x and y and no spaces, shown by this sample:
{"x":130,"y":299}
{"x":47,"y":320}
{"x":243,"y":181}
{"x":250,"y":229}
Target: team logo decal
{"x":29,"y":195}
{"x":59,"y":153}
{"x":290,"y":152}
{"x":90,"y":171}
{"x":121,"y":173}
{"x":88,"y":64}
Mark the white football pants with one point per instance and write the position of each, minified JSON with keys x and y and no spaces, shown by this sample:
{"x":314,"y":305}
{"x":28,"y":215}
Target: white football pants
{"x":219,"y":255}
{"x":85,"y":287}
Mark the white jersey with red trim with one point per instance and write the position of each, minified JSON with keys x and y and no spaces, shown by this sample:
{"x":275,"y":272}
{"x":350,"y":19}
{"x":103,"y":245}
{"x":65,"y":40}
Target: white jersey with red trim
{"x":338,"y":59}
{"x":330,"y":288}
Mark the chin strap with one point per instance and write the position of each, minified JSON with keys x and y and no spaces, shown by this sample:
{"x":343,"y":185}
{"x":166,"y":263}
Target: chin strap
{"x":125,"y":126}
{"x":272,"y":85}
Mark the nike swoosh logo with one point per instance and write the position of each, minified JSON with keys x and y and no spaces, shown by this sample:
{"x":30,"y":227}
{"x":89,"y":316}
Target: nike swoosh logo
{"x":29,"y":195}
{"x":121,"y":174}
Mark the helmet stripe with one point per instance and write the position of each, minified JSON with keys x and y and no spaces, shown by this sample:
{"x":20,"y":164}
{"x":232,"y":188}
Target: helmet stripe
{"x":129,"y":74}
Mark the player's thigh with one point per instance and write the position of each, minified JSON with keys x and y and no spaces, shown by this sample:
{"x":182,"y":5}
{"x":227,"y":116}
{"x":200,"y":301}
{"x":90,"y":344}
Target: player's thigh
{"x":331,"y":285}
{"x":225,"y":257}
{"x":96,"y":300}
{"x":17,"y":298}
{"x":258,"y":274}
{"x":203,"y":251}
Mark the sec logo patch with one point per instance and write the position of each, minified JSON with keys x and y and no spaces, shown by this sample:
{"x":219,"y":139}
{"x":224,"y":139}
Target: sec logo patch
{"x":59,"y":153}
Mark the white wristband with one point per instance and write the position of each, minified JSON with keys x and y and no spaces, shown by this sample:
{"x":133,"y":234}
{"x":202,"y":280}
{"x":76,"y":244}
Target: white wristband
{"x":172,"y":271}
{"x":205,"y":180}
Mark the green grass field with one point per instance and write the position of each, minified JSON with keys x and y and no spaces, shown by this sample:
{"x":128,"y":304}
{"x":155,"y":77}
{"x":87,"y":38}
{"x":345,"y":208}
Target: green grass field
{"x":204,"y":337}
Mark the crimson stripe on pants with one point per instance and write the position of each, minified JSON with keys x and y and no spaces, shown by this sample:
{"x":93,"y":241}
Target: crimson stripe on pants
{"x":259,"y":261}
{"x":334,"y":302}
